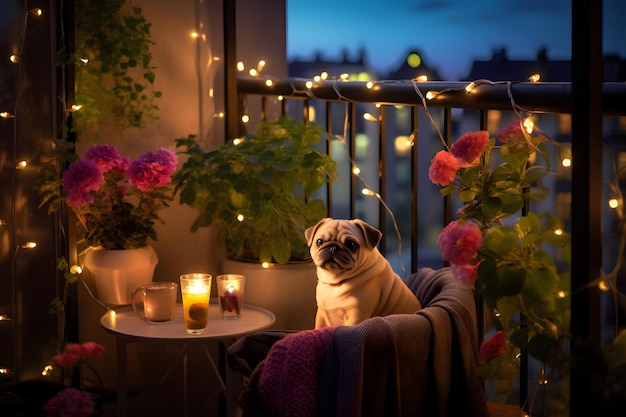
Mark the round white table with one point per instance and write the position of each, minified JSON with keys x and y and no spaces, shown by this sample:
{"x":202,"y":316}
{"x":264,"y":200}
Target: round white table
{"x":127,"y":327}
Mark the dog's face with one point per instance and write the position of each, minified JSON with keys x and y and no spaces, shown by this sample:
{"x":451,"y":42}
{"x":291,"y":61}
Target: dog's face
{"x":340,"y":246}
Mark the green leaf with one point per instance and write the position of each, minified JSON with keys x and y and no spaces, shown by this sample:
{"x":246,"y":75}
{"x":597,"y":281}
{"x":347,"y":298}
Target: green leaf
{"x":511,"y":279}
{"x":490,"y":206}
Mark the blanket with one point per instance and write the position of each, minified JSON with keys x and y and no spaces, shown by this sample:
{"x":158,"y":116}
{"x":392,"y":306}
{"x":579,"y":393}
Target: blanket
{"x":419,"y":364}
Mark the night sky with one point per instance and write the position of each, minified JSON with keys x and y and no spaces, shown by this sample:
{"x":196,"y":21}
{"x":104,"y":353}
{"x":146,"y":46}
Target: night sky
{"x":450,"y":34}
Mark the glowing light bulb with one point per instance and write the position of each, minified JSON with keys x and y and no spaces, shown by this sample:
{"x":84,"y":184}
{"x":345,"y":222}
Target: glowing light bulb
{"x":6,"y":115}
{"x":84,"y":60}
{"x":36,"y":11}
{"x":5,"y":371}
{"x":260,"y":65}
{"x":534,"y":78}
{"x":76,"y":107}
{"x":356,"y":170}
{"x":21,"y":165}
{"x":613,"y":203}
{"x":220,"y":115}
{"x":432,"y":94}
{"x":558,"y":232}
{"x":240,"y":217}
{"x":280,"y":98}
{"x":4,"y":317}
{"x":561,"y":294}
{"x":317,"y":78}
{"x":76,"y":269}
{"x":269,"y":83}
{"x":470,"y":87}
{"x":344,"y":76}
{"x":29,"y":245}
{"x":240,"y":66}
{"x":309,"y":84}
{"x":46,"y":370}
{"x":421,"y":78}
{"x":253,"y":72}
{"x":245,"y":118}
{"x":369,"y":85}
{"x":367,"y":116}
{"x":265,"y":265}
{"x":566,"y":162}
{"x":14,"y":59}
{"x":603,"y":286}
{"x":367,"y":192}
{"x":194,"y":35}
{"x":324,"y":75}
{"x":529,"y":125}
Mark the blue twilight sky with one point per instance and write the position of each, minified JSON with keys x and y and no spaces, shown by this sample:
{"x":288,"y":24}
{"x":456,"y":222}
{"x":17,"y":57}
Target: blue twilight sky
{"x":450,"y":34}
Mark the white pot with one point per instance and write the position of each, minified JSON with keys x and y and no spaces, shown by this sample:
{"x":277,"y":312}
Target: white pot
{"x":286,"y":290}
{"x":116,"y":273}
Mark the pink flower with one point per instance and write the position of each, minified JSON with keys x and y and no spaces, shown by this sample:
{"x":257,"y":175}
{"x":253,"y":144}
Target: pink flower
{"x":70,"y":402}
{"x":467,"y":272}
{"x":79,"y":180}
{"x":153,"y":170}
{"x":460,"y":241}
{"x":493,"y":346}
{"x":443,"y":168}
{"x":93,"y":349}
{"x":470,"y":146}
{"x":107,"y":157}
{"x":512,"y":132}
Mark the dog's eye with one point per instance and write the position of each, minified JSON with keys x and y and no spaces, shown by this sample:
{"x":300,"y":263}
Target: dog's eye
{"x":352,"y":245}
{"x":319,"y":242}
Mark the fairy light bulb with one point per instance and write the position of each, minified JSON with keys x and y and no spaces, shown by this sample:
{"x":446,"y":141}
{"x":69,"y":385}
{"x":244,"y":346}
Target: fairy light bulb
{"x":603,"y":286}
{"x":36,"y":11}
{"x":220,"y":115}
{"x":561,"y":294}
{"x":14,"y":58}
{"x":558,"y":232}
{"x":369,"y":85}
{"x":112,"y":313}
{"x":613,"y":203}
{"x":432,"y":94}
{"x":240,"y":218}
{"x":368,"y":116}
{"x":344,"y":76}
{"x":245,"y":118}
{"x":84,"y":60}
{"x":5,"y":317}
{"x":566,"y":162}
{"x":46,"y":370}
{"x":260,"y":65}
{"x":253,"y":72}
{"x":76,"y":270}
{"x":421,"y":78}
{"x":324,"y":75}
{"x":529,"y":125}
{"x":534,"y":78}
{"x":76,"y":107}
{"x":29,"y":245}
{"x":6,"y":115}
{"x":237,"y":141}
{"x":21,"y":165}
{"x":367,"y":192}
{"x":470,"y":87}
{"x":240,"y":66}
{"x":309,"y":84}
{"x":356,"y":170}
{"x":265,"y":265}
{"x":269,"y":83}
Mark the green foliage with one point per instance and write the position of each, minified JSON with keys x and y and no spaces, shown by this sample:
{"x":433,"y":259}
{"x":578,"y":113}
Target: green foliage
{"x":113,"y":63}
{"x":258,"y":191}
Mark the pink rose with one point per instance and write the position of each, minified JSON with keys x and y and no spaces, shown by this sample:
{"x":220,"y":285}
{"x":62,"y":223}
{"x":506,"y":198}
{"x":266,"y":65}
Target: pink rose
{"x":467,"y":272}
{"x":152,"y":170}
{"x":470,"y":146}
{"x":443,"y":168}
{"x":93,"y":349}
{"x":493,"y":346}
{"x":107,"y":157}
{"x":460,"y":241}
{"x":511,"y":133}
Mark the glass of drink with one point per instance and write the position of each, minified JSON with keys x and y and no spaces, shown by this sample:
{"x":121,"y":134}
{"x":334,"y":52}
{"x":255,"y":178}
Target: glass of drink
{"x":195,"y":289}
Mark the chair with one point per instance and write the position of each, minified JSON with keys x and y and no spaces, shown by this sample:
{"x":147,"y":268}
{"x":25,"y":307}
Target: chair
{"x":421,"y":364}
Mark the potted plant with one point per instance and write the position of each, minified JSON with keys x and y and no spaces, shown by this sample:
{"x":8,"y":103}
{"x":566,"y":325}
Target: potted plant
{"x":258,"y":193}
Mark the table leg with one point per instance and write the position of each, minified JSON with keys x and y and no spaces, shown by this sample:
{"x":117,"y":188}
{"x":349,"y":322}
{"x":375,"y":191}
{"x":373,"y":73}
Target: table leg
{"x":122,"y":378}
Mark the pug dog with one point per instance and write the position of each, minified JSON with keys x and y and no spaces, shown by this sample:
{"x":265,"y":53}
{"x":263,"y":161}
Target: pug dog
{"x":354,"y":281}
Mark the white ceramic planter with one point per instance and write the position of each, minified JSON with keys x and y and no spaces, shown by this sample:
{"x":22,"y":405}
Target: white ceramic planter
{"x":286,"y":290}
{"x":116,"y":273}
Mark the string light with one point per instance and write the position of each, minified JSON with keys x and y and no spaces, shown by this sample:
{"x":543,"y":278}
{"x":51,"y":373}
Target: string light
{"x":309,"y":84}
{"x":529,"y":125}
{"x":260,"y":65}
{"x":240,"y":66}
{"x":344,"y":76}
{"x":470,"y":87}
{"x":566,"y":162}
{"x":14,"y":58}
{"x":369,"y":85}
{"x":421,"y":78}
{"x":240,"y":217}
{"x":253,"y":72}
{"x":36,"y":11}
{"x":29,"y":245}
{"x":613,"y":203}
{"x":269,"y":83}
{"x":6,"y":115}
{"x":265,"y":265}
{"x":21,"y":165}
{"x":237,"y":141}
{"x":356,"y":170}
{"x":75,"y":107}
{"x":245,"y":118}
{"x":194,"y":35}
{"x":368,"y":116}
{"x":431,"y":94}
{"x":47,"y":370}
{"x":603,"y":285}
{"x":84,"y":60}
{"x":5,"y":317}
{"x":534,"y":78}
{"x":76,"y":270}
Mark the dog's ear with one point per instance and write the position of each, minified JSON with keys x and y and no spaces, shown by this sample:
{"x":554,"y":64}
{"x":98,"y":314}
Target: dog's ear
{"x":372,"y":234}
{"x":310,"y":232}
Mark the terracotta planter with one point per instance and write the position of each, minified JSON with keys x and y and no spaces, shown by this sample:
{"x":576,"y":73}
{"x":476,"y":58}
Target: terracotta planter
{"x":116,"y":273}
{"x":286,"y":290}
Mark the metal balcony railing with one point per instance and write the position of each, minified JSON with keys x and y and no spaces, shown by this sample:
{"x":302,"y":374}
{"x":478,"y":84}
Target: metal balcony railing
{"x":338,"y":106}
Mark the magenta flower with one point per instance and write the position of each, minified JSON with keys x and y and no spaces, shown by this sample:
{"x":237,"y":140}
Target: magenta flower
{"x":459,"y":242}
{"x":443,"y":168}
{"x":152,"y":170}
{"x":107,"y":157}
{"x":467,"y":272}
{"x":73,"y":352}
{"x":493,"y":346}
{"x":470,"y":146}
{"x":511,"y":133}
{"x":92,"y":349}
{"x":79,"y":180}
{"x":70,"y":402}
